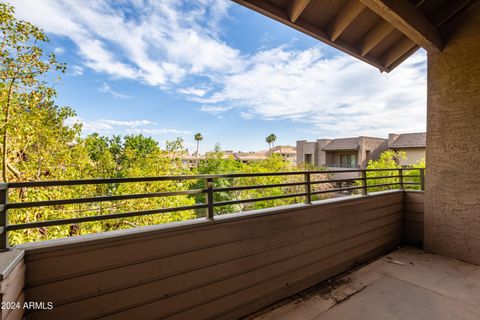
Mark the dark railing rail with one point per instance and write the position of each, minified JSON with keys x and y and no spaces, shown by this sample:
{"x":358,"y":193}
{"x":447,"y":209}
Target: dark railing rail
{"x":209,"y":191}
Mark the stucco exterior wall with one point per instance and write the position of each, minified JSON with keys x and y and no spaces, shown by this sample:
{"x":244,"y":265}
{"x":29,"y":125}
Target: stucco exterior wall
{"x":374,"y":145}
{"x":321,"y":157}
{"x":452,"y":202}
{"x":304,"y":147}
{"x":413,"y":155}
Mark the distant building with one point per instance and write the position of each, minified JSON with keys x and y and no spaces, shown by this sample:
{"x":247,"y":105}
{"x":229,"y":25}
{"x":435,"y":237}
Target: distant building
{"x":341,"y":153}
{"x":252,"y":156}
{"x":191,"y":161}
{"x":289,"y":153}
{"x":413,"y":144}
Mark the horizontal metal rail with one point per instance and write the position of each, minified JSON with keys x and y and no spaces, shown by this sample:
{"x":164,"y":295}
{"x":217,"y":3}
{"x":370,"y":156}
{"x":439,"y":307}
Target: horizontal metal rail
{"x":382,"y":177}
{"x":363,"y":182}
{"x":46,"y":203}
{"x":337,"y":190}
{"x":226,"y":203}
{"x":49,"y":223}
{"x":334,"y":180}
{"x":262,"y":186}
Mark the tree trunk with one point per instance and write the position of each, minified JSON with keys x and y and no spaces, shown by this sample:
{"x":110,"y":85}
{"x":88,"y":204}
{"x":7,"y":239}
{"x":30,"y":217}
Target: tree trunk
{"x":5,"y":133}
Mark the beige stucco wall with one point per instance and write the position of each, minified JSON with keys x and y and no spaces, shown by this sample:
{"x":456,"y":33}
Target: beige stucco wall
{"x":374,"y":145}
{"x":304,"y":147}
{"x":414,"y":155}
{"x":452,"y":202}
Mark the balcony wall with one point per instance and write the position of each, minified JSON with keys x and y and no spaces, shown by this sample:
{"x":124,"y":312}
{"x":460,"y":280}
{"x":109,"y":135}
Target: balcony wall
{"x":12,"y":281}
{"x":413,"y":217}
{"x":225,"y":268}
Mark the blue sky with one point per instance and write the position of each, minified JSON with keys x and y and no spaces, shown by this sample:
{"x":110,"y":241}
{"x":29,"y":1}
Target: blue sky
{"x":173,"y":68}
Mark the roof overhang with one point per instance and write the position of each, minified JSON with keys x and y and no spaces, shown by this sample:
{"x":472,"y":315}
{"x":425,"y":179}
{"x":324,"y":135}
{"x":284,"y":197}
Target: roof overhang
{"x":382,"y":33}
{"x":340,"y":150}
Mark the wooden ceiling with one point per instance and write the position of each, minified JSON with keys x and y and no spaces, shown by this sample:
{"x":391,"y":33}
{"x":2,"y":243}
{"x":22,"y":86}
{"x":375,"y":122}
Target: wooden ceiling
{"x":382,"y":33}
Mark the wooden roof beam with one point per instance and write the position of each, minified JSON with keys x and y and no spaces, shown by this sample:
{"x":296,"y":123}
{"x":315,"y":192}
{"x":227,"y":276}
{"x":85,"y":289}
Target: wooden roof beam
{"x":349,"y":12}
{"x":296,"y":8}
{"x":374,"y":37}
{"x":397,"y":51}
{"x":404,"y":16}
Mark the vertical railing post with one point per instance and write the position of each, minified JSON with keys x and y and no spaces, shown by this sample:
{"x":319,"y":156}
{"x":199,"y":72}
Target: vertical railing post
{"x":3,"y":216}
{"x":308,"y":189}
{"x":209,"y":198}
{"x":364,"y":181}
{"x":400,"y":174}
{"x":422,"y":179}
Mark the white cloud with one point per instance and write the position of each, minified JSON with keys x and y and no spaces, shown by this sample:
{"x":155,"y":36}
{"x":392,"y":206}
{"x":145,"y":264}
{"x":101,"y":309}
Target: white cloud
{"x":159,"y":42}
{"x":59,"y":50}
{"x":111,"y":126}
{"x":334,"y":96}
{"x":76,"y":70}
{"x":161,"y":131}
{"x":108,"y":125}
{"x":194,"y":91}
{"x":215,"y":109}
{"x":105,"y":88}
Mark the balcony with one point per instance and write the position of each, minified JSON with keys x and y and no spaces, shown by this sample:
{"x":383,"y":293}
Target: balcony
{"x":218,"y":266}
{"x":404,"y":284}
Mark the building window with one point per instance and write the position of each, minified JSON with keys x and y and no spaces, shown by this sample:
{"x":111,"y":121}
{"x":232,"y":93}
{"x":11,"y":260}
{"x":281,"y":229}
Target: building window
{"x":348,"y":161}
{"x":308,"y":158}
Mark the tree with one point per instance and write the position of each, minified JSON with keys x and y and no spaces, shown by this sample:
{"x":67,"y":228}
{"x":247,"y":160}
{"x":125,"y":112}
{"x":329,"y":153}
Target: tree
{"x":23,"y":71}
{"x":271,"y":140}
{"x":390,"y":160}
{"x":198,"y":138}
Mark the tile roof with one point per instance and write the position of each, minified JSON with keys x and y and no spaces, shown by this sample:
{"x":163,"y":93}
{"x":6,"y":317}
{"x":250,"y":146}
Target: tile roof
{"x":410,"y":140}
{"x":342,"y":144}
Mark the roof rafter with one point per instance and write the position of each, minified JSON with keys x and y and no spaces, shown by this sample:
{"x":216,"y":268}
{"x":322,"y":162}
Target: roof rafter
{"x":406,"y":18}
{"x":397,"y":51}
{"x":349,"y":12}
{"x":268,"y":9}
{"x":374,"y":36}
{"x":296,"y":8}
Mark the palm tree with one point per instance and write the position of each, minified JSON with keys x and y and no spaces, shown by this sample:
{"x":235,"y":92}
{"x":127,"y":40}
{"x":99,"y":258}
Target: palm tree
{"x":274,"y":138}
{"x":198,"y":137}
{"x":271,"y":140}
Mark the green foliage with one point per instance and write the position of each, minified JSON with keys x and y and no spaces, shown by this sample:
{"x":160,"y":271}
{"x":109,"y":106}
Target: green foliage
{"x":218,"y":163}
{"x":24,"y":68}
{"x":390,"y":159}
{"x":414,"y":175}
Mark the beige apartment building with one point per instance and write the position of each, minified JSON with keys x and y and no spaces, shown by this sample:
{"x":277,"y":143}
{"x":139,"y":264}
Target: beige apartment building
{"x":413,"y":144}
{"x":341,"y":153}
{"x":289,"y":153}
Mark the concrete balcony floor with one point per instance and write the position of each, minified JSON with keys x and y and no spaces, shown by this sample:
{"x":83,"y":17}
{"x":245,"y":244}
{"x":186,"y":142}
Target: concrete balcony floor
{"x":405,"y":284}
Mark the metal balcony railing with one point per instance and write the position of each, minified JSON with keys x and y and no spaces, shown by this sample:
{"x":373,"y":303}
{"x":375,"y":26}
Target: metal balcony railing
{"x":362,"y":183}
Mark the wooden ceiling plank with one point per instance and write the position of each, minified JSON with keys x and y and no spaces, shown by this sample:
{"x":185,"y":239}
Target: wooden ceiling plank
{"x":397,"y":51}
{"x":403,"y":58}
{"x":296,"y":8}
{"x":349,"y":12}
{"x":448,"y":10}
{"x":373,"y":37}
{"x":406,"y":18}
